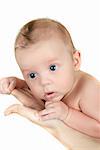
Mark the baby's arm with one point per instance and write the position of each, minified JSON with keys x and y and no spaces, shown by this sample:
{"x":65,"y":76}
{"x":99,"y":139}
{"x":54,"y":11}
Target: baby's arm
{"x":27,"y":99}
{"x":21,"y":83}
{"x":19,"y":88}
{"x":83,"y":123}
{"x":8,"y":84}
{"x":73,"y":118}
{"x":88,"y":120}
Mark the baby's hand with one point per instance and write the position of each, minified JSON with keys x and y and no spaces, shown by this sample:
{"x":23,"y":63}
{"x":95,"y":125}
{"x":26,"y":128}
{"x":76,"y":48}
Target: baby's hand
{"x":7,"y":85}
{"x":54,"y":110}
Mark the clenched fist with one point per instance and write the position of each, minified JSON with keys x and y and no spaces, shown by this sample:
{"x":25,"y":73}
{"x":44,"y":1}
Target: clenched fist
{"x":54,"y":110}
{"x":7,"y":85}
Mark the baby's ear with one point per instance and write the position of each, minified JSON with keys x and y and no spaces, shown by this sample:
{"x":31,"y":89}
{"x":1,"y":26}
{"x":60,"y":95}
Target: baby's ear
{"x":76,"y":60}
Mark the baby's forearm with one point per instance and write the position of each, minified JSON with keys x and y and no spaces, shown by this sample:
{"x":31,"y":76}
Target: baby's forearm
{"x":20,"y":83}
{"x":22,"y":93}
{"x":27,"y":99}
{"x":83,"y":123}
{"x":34,"y":104}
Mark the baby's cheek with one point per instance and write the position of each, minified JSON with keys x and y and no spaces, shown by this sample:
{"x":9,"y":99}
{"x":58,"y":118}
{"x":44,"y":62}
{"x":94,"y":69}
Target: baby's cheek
{"x":36,"y":91}
{"x":30,"y":85}
{"x":67,"y":83}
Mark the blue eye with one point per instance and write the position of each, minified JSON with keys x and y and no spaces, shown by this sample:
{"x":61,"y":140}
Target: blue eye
{"x":32,"y":75}
{"x":53,"y":67}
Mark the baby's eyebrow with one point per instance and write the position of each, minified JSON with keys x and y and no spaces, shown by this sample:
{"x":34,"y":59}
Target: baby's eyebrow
{"x":26,"y":70}
{"x":52,"y":60}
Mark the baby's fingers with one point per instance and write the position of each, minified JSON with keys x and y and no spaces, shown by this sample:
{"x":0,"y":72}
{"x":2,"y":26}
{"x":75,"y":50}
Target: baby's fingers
{"x":4,"y":87}
{"x":46,"y":111}
{"x":49,"y":116}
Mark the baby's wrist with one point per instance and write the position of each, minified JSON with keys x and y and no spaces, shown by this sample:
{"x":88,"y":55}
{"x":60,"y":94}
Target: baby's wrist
{"x":68,"y":115}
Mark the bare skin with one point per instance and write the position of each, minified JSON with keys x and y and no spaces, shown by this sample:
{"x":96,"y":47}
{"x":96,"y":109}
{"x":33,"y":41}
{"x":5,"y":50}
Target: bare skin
{"x":54,"y":126}
{"x":59,"y":90}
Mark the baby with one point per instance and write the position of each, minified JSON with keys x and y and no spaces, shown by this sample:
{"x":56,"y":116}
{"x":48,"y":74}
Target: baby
{"x":53,"y":83}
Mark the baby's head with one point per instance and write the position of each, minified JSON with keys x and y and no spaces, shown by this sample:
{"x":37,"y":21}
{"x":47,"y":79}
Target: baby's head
{"x":42,"y":30}
{"x":47,"y":58}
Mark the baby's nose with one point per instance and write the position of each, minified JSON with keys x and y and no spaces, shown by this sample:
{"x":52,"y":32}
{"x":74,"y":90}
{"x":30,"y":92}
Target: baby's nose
{"x":45,"y":79}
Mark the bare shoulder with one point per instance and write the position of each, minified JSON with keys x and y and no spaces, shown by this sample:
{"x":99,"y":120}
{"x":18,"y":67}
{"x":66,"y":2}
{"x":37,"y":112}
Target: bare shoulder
{"x":90,"y":96}
{"x":91,"y":84}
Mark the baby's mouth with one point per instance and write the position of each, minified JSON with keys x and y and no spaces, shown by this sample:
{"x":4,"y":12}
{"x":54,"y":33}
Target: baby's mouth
{"x":49,"y":95}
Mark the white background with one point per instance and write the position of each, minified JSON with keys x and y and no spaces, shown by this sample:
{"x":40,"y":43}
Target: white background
{"x":81,"y":17}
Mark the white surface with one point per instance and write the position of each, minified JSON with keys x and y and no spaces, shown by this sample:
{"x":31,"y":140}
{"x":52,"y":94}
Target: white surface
{"x":18,"y":134}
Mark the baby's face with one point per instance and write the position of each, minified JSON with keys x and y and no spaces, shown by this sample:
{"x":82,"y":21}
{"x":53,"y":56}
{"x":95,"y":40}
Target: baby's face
{"x":48,"y":69}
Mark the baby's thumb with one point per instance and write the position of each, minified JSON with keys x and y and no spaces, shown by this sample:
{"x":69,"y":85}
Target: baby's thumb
{"x":12,"y":85}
